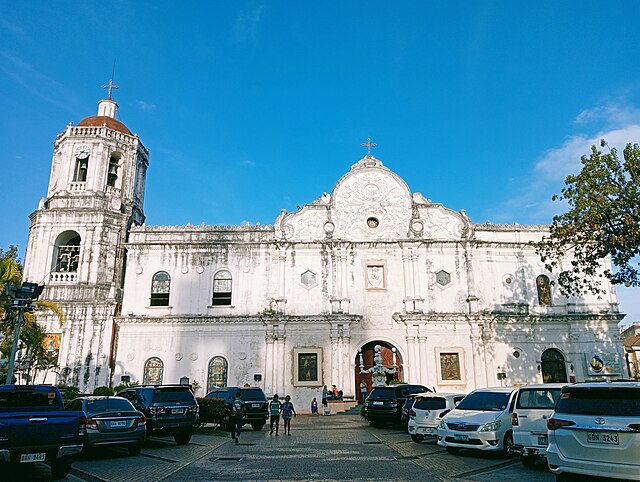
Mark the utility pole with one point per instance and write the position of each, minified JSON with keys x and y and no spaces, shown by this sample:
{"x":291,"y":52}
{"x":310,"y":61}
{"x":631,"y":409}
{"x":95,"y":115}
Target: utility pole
{"x":23,"y":298}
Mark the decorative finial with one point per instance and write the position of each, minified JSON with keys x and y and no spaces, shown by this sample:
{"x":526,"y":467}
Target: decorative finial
{"x":368,"y":145}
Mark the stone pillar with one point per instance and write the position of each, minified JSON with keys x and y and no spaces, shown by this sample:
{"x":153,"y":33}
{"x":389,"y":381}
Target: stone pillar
{"x":413,"y":372}
{"x":280,"y":302}
{"x":345,"y":284}
{"x":427,"y":375}
{"x":408,"y":293}
{"x":269,"y":365}
{"x":280,"y":365}
{"x":417,"y":295}
{"x":472,"y":297}
{"x":334,"y":360}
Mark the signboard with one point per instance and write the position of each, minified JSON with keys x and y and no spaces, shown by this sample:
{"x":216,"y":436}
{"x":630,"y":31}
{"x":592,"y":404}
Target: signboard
{"x":603,"y":364}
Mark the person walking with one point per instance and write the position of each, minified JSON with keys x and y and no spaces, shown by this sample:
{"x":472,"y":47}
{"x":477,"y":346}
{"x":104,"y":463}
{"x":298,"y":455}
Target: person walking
{"x":236,"y":418}
{"x":275,"y":407}
{"x":287,"y":412}
{"x":363,"y":390}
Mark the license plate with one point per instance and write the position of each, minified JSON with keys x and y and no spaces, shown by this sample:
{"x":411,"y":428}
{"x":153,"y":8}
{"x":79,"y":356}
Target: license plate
{"x":255,"y":405}
{"x":603,"y":438}
{"x":378,"y":403}
{"x":425,"y":431}
{"x":461,"y":438}
{"x":543,"y":440}
{"x":175,"y":411}
{"x":29,"y":458}
{"x":118,"y":424}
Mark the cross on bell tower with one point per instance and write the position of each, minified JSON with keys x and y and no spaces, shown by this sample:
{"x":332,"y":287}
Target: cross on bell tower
{"x":368,"y":145}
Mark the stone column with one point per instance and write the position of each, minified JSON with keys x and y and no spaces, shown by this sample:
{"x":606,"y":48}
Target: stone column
{"x":472,"y":297}
{"x":269,"y":365}
{"x":280,"y":366}
{"x":408,"y":293}
{"x":427,"y":375}
{"x":417,"y":294}
{"x":280,"y":302}
{"x":334,"y":360}
{"x":412,"y":373}
{"x":345,"y":285}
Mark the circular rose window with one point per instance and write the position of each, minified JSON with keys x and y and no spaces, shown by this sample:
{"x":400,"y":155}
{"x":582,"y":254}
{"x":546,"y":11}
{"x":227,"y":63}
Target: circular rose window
{"x":372,"y":223}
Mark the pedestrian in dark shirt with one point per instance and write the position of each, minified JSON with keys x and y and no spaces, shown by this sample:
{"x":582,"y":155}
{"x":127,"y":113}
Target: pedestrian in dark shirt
{"x":274,"y":410}
{"x":236,"y":417}
{"x":287,"y":412}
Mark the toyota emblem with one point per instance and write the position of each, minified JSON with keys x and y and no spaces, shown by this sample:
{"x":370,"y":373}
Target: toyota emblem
{"x":600,"y":421}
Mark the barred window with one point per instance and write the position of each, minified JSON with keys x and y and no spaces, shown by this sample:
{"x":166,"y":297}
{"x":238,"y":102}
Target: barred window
{"x":217,"y":373}
{"x":222,"y":284}
{"x":160,"y":287}
{"x":153,"y":371}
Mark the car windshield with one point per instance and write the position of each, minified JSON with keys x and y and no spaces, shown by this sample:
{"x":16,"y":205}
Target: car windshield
{"x":485,"y":401}
{"x":383,"y":393}
{"x":538,"y":398}
{"x":431,"y":403}
{"x":177,"y":394}
{"x":624,"y":402}
{"x":105,"y":405}
{"x":28,"y":399}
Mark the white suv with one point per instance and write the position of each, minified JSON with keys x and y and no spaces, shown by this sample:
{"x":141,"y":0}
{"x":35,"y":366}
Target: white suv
{"x":595,"y":430}
{"x":481,"y":421}
{"x":534,"y":405}
{"x":426,"y":412}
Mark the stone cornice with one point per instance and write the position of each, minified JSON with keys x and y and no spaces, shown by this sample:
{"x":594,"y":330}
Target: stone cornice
{"x":512,"y":227}
{"x":258,"y":319}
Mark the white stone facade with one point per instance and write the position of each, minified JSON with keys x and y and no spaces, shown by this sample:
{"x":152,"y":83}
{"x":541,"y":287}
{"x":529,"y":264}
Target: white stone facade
{"x":288,"y":306}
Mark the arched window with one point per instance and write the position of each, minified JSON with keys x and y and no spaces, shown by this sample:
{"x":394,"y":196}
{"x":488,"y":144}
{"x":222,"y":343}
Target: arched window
{"x":112,"y":172}
{"x":553,"y":367}
{"x":160,"y":287}
{"x":222,"y":282}
{"x":153,"y":371}
{"x":544,"y":290}
{"x":67,"y":252}
{"x":217,"y":376}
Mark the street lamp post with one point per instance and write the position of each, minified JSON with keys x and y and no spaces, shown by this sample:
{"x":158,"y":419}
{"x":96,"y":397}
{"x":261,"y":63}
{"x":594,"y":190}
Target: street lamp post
{"x":24,"y":298}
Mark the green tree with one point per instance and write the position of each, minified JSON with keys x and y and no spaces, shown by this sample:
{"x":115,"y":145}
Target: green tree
{"x":603,"y":220}
{"x":35,"y":356}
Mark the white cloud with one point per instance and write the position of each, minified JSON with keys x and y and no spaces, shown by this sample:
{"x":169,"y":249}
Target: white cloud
{"x":246,"y":23}
{"x":249,"y":163}
{"x":533,"y":201}
{"x":145,"y":106}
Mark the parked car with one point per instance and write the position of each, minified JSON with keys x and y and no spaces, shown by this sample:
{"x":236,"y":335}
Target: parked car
{"x":111,"y":422}
{"x":534,"y":405}
{"x":171,"y":410}
{"x":481,"y":421}
{"x":384,"y":404}
{"x":404,"y":418}
{"x":595,"y":430}
{"x":254,"y":401}
{"x":426,"y":412}
{"x":35,"y":427}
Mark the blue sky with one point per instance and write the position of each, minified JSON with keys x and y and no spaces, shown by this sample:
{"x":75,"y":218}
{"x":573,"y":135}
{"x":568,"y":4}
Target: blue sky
{"x":249,"y":107}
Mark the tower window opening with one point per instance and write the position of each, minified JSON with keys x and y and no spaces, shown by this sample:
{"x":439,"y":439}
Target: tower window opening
{"x":80,"y":173}
{"x":67,"y":252}
{"x":112,"y":172}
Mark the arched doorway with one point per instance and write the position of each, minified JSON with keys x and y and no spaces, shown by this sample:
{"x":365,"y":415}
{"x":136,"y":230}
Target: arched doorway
{"x":387,"y":361}
{"x":553,"y":366}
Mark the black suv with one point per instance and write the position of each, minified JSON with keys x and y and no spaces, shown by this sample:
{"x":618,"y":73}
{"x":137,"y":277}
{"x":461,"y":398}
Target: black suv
{"x":254,"y":401}
{"x":384,"y":404}
{"x":171,"y":410}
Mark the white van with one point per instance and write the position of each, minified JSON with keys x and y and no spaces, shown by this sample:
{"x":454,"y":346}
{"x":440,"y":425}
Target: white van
{"x":534,"y":405}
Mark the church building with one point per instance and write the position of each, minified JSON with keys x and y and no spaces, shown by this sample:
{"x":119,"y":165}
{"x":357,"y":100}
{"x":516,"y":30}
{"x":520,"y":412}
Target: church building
{"x":291,"y":307}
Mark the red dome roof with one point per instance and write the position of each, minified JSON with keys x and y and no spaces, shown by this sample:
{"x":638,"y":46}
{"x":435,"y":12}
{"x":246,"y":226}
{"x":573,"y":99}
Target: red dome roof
{"x":101,"y":120}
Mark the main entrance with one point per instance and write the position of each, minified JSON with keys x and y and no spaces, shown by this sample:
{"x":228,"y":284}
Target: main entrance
{"x":387,"y":361}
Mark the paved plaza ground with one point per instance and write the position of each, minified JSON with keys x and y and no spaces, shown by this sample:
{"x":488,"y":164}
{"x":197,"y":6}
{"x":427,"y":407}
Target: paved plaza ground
{"x":337,"y":447}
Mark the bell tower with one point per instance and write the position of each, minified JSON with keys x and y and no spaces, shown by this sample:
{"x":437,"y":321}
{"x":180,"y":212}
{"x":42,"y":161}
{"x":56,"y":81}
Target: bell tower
{"x":77,"y":235}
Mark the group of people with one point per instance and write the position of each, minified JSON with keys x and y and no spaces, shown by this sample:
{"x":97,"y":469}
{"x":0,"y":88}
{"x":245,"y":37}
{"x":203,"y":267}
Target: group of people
{"x":276,"y":409}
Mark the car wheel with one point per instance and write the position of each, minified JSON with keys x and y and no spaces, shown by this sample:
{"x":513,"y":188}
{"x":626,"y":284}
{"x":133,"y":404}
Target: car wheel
{"x":182,"y":438}
{"x":529,"y":461}
{"x":134,"y":449}
{"x":417,"y":438}
{"x":257,"y":426}
{"x":453,"y":450}
{"x":508,"y":448}
{"x":60,"y":468}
